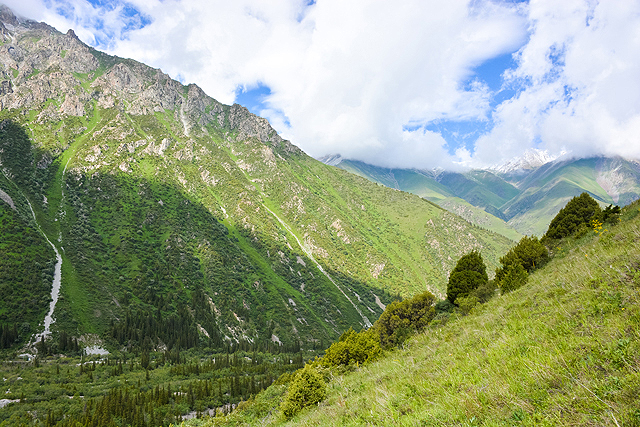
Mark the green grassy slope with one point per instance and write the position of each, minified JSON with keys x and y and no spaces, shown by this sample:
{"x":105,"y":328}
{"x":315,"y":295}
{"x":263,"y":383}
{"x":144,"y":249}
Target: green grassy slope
{"x":480,"y":217}
{"x":562,"y":350}
{"x":163,"y":201}
{"x":412,"y":181}
{"x":477,"y":195}
{"x":480,"y":188}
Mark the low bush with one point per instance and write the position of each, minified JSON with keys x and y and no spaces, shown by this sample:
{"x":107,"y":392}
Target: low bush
{"x":514,"y":277}
{"x":467,"y":303}
{"x":403,"y":318}
{"x":306,"y":389}
{"x":353,"y":347}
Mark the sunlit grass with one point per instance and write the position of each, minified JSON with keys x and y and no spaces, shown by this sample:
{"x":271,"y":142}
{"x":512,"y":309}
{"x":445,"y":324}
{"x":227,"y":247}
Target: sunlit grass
{"x":562,"y":350}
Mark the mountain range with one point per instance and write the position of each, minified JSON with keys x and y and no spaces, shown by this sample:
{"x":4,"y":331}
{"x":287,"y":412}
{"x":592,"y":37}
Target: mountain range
{"x":171,"y":220}
{"x":163,"y":255}
{"x":517,"y":198}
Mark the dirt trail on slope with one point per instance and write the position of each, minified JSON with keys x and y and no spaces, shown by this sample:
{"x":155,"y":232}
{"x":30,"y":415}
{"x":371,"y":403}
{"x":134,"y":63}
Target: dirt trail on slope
{"x":367,"y":322}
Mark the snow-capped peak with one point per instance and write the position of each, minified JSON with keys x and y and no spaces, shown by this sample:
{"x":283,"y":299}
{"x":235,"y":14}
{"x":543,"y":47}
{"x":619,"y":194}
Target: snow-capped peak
{"x":531,"y":159}
{"x":331,"y":159}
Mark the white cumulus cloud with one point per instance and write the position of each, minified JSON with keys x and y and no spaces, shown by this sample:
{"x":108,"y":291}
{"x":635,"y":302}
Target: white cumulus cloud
{"x":365,"y":77}
{"x":579,"y":72}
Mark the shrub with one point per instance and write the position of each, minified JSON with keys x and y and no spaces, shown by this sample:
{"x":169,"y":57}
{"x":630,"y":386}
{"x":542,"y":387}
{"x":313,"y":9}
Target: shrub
{"x":530,"y":253}
{"x":353,"y":347}
{"x":467,"y":303}
{"x":463,"y":283}
{"x":484,"y":292}
{"x":401,"y":319}
{"x":468,"y":274}
{"x":444,"y":306}
{"x":610,"y":214}
{"x":578,"y":212}
{"x":514,"y":277}
{"x":307,"y":388}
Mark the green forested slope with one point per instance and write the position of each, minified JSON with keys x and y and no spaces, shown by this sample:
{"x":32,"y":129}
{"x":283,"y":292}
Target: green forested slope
{"x":183,"y":222}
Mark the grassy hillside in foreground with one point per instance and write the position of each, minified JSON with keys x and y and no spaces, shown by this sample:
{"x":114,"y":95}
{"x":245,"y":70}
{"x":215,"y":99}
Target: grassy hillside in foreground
{"x":562,"y":350}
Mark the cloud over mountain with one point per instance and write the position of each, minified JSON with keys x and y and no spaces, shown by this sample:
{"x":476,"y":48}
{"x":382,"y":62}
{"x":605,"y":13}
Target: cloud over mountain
{"x":367,"y":78}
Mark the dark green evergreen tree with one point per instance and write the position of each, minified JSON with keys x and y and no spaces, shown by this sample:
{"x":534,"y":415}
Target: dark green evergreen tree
{"x":577,"y":214}
{"x":469,"y":273}
{"x":530,"y":253}
{"x":514,"y":277}
{"x":610,"y":214}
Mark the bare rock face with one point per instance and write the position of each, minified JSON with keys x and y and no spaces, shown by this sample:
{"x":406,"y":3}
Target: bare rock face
{"x":162,"y":94}
{"x":5,"y":87}
{"x":251,"y":126}
{"x":72,"y":106}
{"x":57,"y":74}
{"x":36,"y":62}
{"x":121,"y":79}
{"x":7,"y":16}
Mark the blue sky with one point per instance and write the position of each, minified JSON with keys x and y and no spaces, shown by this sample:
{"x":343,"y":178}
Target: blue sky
{"x":415,"y":83}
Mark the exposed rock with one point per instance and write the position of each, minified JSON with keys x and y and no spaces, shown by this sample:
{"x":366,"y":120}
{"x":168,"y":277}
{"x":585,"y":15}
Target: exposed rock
{"x":72,"y":106}
{"x":166,"y":143}
{"x":121,"y":79}
{"x":7,"y":16}
{"x":251,"y":126}
{"x":72,"y":34}
{"x":4,"y":196}
{"x":5,"y":87}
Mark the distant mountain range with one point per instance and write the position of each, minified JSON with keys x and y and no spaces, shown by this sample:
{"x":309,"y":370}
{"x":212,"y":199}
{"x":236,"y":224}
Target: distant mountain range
{"x":518,"y":197}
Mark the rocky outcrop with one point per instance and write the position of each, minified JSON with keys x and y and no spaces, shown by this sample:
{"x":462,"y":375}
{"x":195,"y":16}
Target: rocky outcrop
{"x":39,"y":65}
{"x":251,"y":126}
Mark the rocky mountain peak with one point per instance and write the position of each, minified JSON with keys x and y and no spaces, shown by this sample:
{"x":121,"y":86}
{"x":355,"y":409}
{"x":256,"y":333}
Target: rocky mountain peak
{"x":40,"y":65}
{"x":7,"y":16}
{"x":72,"y":34}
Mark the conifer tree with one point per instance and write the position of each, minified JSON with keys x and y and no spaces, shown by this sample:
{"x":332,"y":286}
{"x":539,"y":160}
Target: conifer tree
{"x":529,"y":253}
{"x":469,"y":273}
{"x":575,"y":215}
